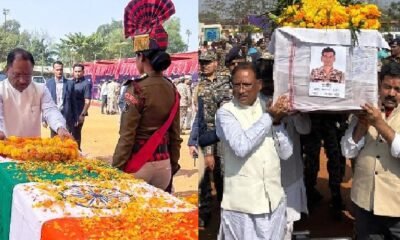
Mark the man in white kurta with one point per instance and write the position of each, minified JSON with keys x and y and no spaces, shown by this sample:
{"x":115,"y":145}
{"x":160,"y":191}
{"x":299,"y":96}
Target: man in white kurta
{"x":253,"y":142}
{"x":22,"y":102}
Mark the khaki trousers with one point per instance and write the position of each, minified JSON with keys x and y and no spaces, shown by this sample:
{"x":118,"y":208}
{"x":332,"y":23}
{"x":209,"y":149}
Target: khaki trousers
{"x":156,"y":173}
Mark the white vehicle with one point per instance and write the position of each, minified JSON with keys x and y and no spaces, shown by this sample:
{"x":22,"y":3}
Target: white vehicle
{"x":39,"y":79}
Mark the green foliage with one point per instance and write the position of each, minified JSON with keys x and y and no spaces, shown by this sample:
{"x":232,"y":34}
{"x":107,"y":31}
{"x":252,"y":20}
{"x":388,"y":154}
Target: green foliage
{"x":39,"y":45}
{"x":233,"y":11}
{"x":282,"y":4}
{"x":8,"y":41}
{"x":116,"y":46}
{"x":114,"y":43}
{"x":173,"y":27}
{"x":81,"y":48}
{"x":108,"y":42}
{"x":12,"y":26}
{"x":390,"y":17}
{"x":11,"y":38}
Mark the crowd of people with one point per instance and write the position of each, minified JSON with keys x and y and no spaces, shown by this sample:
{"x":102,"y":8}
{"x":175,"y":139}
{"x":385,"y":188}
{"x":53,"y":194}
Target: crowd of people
{"x":264,"y":159}
{"x":186,"y":106}
{"x":61,"y":104}
{"x":110,"y":95}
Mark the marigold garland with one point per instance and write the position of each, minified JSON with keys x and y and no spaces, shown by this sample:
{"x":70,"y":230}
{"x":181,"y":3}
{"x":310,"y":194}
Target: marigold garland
{"x":141,"y":218}
{"x":39,"y":149}
{"x":329,"y":14}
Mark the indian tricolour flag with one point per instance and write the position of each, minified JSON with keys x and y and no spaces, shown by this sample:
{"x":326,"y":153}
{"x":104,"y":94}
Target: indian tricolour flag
{"x":47,"y":211}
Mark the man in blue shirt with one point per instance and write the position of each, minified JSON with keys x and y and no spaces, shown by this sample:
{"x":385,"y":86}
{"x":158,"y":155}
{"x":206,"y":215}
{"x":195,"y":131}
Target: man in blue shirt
{"x":83,"y":95}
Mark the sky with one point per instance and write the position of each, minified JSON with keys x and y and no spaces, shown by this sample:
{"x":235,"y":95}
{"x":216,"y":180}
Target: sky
{"x":58,"y":18}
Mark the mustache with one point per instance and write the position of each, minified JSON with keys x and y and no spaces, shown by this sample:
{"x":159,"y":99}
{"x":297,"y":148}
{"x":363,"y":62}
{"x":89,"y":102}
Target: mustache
{"x":390,"y":98}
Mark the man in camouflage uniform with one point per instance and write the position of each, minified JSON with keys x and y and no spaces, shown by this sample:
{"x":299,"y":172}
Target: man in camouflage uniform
{"x":213,"y":90}
{"x":395,"y":52}
{"x":328,"y":128}
{"x":185,"y":102}
{"x":327,"y":73}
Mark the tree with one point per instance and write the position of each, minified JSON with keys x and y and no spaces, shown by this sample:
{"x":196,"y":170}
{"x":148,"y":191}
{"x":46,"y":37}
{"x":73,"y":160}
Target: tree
{"x":12,"y":26}
{"x":391,"y":17}
{"x":9,"y":38}
{"x":205,"y":17}
{"x":41,"y":49}
{"x":213,"y":10}
{"x":117,"y":46}
{"x":81,"y":48}
{"x":8,"y":41}
{"x":173,"y":28}
{"x":235,"y":10}
{"x":106,"y":29}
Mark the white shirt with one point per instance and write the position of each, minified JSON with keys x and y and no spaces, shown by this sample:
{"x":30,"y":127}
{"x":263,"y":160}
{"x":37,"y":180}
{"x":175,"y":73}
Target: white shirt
{"x":104,"y":90}
{"x":244,"y":141}
{"x":48,"y":109}
{"x":59,"y":92}
{"x":350,"y":149}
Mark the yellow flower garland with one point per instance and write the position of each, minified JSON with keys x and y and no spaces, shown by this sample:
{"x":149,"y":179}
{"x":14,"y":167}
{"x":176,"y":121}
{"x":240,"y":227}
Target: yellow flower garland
{"x":39,"y":149}
{"x":57,"y":156}
{"x":330,"y":14}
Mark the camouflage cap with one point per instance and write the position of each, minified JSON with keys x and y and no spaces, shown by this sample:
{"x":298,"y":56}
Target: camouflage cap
{"x":395,"y":42}
{"x":208,"y":55}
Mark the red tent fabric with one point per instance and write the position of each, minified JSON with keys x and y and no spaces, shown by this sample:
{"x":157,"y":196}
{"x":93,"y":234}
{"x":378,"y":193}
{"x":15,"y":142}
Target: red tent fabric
{"x":182,"y":64}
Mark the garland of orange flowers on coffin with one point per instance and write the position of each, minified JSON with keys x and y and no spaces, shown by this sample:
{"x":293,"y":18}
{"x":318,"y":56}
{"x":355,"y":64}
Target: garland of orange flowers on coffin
{"x":57,"y":156}
{"x":39,"y":149}
{"x":141,"y":218}
{"x":329,"y":14}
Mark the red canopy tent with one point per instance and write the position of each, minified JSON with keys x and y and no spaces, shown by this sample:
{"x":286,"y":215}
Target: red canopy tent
{"x":182,"y":64}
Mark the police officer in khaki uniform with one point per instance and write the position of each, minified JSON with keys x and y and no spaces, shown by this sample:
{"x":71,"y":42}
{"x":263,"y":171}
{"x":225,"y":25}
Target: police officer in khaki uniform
{"x":149,"y":102}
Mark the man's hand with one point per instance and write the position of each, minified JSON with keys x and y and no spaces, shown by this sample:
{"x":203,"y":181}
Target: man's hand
{"x":374,"y":117}
{"x":44,"y":124}
{"x":279,"y":109}
{"x":193,"y":150}
{"x":63,"y":133}
{"x":373,"y":114}
{"x":81,"y":119}
{"x":2,"y":135}
{"x":361,"y":128}
{"x":209,"y":161}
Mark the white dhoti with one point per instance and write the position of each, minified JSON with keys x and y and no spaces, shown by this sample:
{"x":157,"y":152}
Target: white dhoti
{"x":243,"y":226}
{"x":296,"y":201}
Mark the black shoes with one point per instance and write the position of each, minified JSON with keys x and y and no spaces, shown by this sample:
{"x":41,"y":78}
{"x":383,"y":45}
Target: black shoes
{"x":337,"y":205}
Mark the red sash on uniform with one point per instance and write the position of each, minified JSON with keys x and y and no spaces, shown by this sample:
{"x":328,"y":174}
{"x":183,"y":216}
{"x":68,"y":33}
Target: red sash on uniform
{"x":140,"y":158}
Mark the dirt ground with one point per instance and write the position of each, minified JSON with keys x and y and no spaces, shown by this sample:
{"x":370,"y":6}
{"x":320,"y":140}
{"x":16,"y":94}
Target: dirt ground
{"x":100,"y":135}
